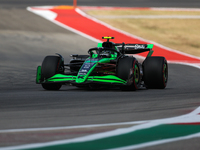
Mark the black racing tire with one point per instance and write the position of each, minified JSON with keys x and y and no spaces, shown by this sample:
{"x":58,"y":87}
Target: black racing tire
{"x":51,"y":66}
{"x":155,"y":72}
{"x":128,"y":69}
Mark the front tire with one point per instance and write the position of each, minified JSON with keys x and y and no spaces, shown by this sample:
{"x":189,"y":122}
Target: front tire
{"x":128,"y":69}
{"x":51,"y":65}
{"x":155,"y":72}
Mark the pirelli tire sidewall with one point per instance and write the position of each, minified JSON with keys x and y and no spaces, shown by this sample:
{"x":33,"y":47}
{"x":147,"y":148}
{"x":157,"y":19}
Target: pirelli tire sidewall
{"x":51,"y":65}
{"x":128,"y":69}
{"x":155,"y":72}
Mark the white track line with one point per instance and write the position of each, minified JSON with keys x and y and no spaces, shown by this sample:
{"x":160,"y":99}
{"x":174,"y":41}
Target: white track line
{"x":195,"y":112}
{"x":49,"y":16}
{"x":148,"y":16}
{"x":188,"y":118}
{"x":174,"y":9}
{"x":137,"y":8}
{"x":73,"y":127}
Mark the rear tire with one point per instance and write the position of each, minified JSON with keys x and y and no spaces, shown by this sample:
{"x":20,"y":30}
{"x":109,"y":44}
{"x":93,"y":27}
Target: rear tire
{"x":155,"y":72}
{"x":51,"y":65}
{"x":128,"y":69}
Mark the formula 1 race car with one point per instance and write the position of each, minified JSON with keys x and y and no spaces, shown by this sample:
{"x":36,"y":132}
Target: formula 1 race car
{"x":108,"y":64}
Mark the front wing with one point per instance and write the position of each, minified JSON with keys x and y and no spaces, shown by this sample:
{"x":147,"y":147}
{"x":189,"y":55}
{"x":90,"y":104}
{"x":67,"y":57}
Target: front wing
{"x":60,"y":78}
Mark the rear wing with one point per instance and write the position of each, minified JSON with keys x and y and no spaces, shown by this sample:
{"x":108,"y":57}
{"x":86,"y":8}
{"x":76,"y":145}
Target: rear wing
{"x":134,"y":48}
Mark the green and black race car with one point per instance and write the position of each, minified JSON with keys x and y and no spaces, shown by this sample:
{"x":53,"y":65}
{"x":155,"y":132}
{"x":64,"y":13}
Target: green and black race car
{"x":109,"y":64}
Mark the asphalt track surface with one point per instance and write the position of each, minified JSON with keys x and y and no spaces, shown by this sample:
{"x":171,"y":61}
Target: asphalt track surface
{"x":25,"y":39}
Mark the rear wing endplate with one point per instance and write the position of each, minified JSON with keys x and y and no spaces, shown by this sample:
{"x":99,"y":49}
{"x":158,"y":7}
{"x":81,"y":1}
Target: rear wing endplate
{"x":135,"y":48}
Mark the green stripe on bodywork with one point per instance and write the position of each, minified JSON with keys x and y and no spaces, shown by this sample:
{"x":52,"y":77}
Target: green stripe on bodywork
{"x":99,"y":45}
{"x":150,"y":53}
{"x":155,"y":133}
{"x":94,"y":55}
{"x":61,"y":77}
{"x":107,"y":81}
{"x":150,"y":46}
{"x":64,"y":78}
{"x":108,"y":78}
{"x":90,"y":61}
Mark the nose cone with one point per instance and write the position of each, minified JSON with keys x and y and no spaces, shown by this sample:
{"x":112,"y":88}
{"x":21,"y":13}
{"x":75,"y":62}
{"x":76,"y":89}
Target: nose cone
{"x":80,"y":79}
